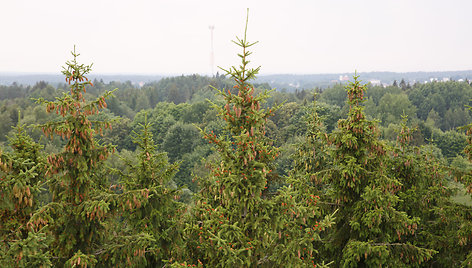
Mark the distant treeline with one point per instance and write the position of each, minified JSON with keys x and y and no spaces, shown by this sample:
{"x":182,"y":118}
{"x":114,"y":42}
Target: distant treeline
{"x":288,"y":82}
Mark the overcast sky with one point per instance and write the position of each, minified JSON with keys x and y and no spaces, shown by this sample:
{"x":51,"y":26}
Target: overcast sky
{"x":296,"y":36}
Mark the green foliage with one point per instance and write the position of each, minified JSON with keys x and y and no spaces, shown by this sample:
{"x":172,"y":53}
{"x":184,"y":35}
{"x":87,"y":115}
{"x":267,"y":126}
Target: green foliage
{"x":21,"y":177}
{"x":236,"y":220}
{"x":450,"y":142}
{"x":159,"y":216}
{"x":425,"y":196}
{"x":335,"y":95}
{"x":8,"y":117}
{"x":313,"y":155}
{"x":392,"y":106}
{"x":180,"y":139}
{"x":31,"y":251}
{"x":82,"y":204}
{"x":267,"y":195}
{"x":289,"y":121}
{"x":463,"y":215}
{"x":441,"y":97}
{"x":182,"y":89}
{"x":370,"y":228}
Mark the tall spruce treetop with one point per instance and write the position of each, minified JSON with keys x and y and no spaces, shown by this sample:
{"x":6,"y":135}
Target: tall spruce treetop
{"x":237,"y":221}
{"x":369,"y":230}
{"x":232,"y":212}
{"x":81,"y":199}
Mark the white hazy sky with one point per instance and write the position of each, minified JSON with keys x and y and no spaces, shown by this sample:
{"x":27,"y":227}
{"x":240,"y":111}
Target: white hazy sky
{"x":297,"y":36}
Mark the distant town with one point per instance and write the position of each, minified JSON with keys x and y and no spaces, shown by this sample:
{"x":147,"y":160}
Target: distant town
{"x":306,"y":81}
{"x":377,"y":82}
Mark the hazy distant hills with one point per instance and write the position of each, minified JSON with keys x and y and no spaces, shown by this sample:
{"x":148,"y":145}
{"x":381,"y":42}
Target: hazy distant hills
{"x":278,"y":81}
{"x":32,"y":78}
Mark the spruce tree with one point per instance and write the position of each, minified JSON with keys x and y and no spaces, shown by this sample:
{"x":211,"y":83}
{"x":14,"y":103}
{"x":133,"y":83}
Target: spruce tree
{"x":425,"y":194}
{"x":312,"y":154}
{"x":237,"y":221}
{"x":78,"y":218}
{"x":21,"y":177}
{"x":160,"y":216}
{"x":464,"y":232}
{"x":311,"y":158}
{"x":369,"y":229}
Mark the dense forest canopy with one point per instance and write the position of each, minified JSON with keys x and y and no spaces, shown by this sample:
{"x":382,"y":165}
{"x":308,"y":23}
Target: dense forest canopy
{"x":220,"y":172}
{"x":438,"y":109}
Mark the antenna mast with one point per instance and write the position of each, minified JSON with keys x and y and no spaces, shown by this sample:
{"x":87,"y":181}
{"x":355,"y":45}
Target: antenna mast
{"x":212,"y":55}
